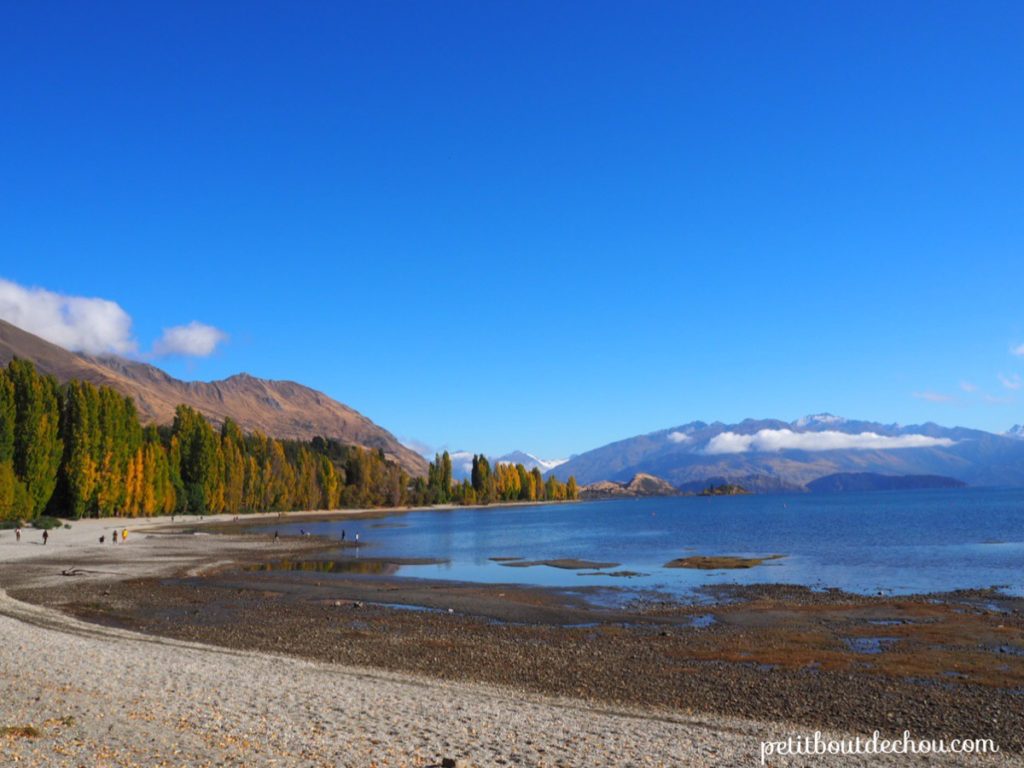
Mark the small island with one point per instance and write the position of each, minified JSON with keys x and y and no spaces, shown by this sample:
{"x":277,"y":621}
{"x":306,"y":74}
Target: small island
{"x":719,"y":562}
{"x":642,"y":484}
{"x":726,"y":489}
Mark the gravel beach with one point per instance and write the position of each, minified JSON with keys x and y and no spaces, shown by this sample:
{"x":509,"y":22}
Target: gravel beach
{"x":81,"y":693}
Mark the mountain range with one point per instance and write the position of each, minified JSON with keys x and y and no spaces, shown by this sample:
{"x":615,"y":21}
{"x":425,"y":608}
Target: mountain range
{"x":282,"y":409}
{"x":770,"y":455}
{"x":762,"y":455}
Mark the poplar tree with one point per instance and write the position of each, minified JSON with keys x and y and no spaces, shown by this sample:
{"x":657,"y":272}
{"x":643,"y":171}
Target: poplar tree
{"x":37,"y":444}
{"x":538,"y":484}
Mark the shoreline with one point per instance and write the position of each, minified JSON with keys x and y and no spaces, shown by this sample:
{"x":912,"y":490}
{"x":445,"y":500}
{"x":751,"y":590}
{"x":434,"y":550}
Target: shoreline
{"x":775,"y":656}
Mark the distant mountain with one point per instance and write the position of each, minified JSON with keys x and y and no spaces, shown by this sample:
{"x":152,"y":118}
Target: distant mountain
{"x":844,"y":482}
{"x":282,"y":409}
{"x":765,"y":455}
{"x":641,"y":485}
{"x":1016,"y":431}
{"x":529,"y":461}
{"x":462,"y":462}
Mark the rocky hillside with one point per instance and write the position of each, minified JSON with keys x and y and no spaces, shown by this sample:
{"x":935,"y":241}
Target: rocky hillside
{"x":283,"y":409}
{"x":641,"y":485}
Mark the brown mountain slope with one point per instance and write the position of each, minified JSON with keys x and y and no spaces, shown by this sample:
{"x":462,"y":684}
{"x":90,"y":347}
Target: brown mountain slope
{"x":282,"y":409}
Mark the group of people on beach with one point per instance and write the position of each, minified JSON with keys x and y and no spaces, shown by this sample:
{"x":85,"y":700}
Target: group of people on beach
{"x":46,"y":535}
{"x":124,"y":536}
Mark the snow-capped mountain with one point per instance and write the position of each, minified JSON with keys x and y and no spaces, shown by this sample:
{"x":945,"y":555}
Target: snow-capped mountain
{"x":462,"y":462}
{"x":818,"y":419}
{"x":529,"y":461}
{"x":771,"y":454}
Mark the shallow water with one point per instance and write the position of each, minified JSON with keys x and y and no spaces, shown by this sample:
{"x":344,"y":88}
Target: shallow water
{"x":893,"y":542}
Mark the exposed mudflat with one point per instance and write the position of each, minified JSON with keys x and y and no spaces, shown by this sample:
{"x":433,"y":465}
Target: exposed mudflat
{"x":938,"y":666}
{"x":698,"y":682}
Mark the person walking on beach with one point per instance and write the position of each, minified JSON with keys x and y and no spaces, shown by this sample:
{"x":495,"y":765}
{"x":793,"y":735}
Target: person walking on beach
{"x":103,"y":538}
{"x":124,"y":535}
{"x":342,"y":534}
{"x":46,"y":537}
{"x":276,"y":537}
{"x":17,"y":534}
{"x":115,"y":536}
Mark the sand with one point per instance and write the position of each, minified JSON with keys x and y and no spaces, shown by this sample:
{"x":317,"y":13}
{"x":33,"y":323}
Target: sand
{"x":101,"y":696}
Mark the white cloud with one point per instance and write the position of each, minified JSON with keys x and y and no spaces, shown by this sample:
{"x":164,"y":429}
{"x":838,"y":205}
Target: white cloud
{"x":90,"y":325}
{"x":420,"y":447}
{"x":678,"y":437}
{"x":462,"y":463}
{"x":968,"y":386}
{"x":934,"y":397}
{"x":1010,"y":382}
{"x":769,"y":440}
{"x":1018,"y":350}
{"x":195,"y":340}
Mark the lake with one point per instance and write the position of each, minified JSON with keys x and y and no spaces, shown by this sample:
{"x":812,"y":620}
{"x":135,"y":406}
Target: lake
{"x":899,"y":542}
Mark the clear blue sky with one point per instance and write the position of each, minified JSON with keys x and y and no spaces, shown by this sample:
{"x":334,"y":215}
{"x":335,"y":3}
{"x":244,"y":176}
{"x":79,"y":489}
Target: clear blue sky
{"x":539,"y":225}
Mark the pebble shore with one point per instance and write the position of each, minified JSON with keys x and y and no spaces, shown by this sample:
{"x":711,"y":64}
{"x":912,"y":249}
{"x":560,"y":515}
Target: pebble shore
{"x":75,"y":693}
{"x":106,"y":697}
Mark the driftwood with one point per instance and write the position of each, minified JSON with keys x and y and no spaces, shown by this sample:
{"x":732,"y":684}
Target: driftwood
{"x":77,"y":572}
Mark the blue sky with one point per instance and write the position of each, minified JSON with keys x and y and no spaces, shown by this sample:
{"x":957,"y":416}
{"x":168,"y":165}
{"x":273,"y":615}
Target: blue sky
{"x":536,"y":225}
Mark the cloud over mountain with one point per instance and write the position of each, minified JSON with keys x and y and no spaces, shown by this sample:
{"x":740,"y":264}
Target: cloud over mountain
{"x":770,"y":440}
{"x":194,"y":340}
{"x":96,"y":326}
{"x":80,"y":324}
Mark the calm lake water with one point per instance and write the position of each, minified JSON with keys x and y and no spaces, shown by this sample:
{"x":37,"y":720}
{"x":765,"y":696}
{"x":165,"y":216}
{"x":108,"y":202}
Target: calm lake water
{"x":899,"y":542}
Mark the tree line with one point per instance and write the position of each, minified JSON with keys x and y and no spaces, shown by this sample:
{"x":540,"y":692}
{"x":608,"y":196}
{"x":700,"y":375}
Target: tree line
{"x":503,"y":482}
{"x":78,"y":450}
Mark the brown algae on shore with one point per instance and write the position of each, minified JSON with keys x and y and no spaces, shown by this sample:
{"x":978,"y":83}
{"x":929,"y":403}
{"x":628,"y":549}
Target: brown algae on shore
{"x":20,"y":732}
{"x":719,"y":562}
{"x":568,"y":564}
{"x":369,"y":566}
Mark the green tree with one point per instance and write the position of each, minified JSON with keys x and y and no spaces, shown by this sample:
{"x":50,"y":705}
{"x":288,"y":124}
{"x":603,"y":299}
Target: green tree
{"x":538,"y":484}
{"x":446,"y":476}
{"x":8,"y":414}
{"x":37,"y":444}
{"x":481,"y":474}
{"x":80,"y":429}
{"x":14,"y":501}
{"x":200,"y":463}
